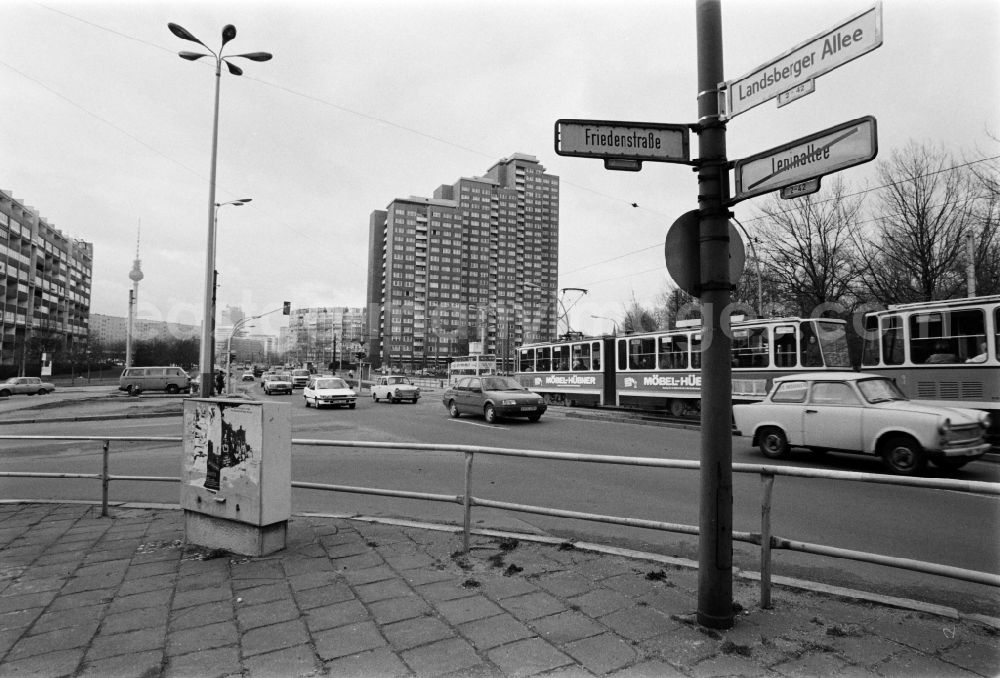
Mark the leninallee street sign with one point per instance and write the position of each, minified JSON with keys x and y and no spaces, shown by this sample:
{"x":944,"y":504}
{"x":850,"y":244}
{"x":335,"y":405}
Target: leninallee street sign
{"x":623,"y":140}
{"x":844,"y":42}
{"x":845,"y":145}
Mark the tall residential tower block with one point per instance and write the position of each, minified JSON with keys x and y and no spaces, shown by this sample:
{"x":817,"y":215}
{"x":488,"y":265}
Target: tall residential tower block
{"x":472,"y":270}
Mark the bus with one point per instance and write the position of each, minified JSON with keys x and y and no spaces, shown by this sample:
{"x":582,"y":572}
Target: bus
{"x":944,"y":352}
{"x":470,"y":366}
{"x":662,"y":370}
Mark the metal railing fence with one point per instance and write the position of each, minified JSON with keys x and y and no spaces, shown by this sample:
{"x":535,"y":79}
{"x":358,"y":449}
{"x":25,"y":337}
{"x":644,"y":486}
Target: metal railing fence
{"x":764,"y":539}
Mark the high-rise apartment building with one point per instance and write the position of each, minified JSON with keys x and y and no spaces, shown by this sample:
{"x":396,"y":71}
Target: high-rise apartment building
{"x":46,"y":278}
{"x":471,"y":270}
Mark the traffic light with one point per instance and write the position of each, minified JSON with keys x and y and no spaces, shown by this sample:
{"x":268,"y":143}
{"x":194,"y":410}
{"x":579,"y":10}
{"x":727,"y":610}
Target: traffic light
{"x":287,"y":310}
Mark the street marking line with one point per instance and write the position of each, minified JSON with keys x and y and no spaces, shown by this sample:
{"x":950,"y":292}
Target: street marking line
{"x":473,"y":423}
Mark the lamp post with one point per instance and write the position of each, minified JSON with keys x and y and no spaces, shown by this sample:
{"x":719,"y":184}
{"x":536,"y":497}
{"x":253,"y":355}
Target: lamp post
{"x":207,"y":333}
{"x":613,"y":321}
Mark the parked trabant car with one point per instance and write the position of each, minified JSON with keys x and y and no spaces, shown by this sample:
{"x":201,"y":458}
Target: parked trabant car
{"x":25,"y":386}
{"x":866,"y":413}
{"x":276,"y":383}
{"x":493,"y":397}
{"x":321,"y":391}
{"x":395,"y":388}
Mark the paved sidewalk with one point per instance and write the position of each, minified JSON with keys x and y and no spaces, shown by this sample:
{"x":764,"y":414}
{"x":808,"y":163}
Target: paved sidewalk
{"x":82,"y":595}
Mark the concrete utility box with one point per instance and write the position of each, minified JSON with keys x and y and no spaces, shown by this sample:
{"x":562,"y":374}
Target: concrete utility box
{"x":236,"y":480}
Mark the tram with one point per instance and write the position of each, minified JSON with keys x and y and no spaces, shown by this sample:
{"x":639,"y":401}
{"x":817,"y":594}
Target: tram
{"x":944,"y":352}
{"x":662,"y":370}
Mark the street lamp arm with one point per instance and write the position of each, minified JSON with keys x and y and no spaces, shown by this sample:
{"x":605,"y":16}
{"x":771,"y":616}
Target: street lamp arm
{"x":191,"y":56}
{"x":184,"y":34}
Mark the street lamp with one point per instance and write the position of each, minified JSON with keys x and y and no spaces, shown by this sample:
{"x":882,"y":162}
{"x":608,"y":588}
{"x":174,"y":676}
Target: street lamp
{"x":614,"y":322}
{"x":207,"y":334}
{"x":215,"y":274}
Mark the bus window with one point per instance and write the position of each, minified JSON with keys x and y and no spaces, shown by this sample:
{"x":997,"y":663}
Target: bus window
{"x":869,"y":352}
{"x":811,"y":356}
{"x":696,"y":351}
{"x":642,"y":354}
{"x":581,"y":357}
{"x":673,"y":353}
{"x":892,"y":340}
{"x":750,"y":347}
{"x":526,"y":360}
{"x":784,"y":346}
{"x":595,"y":349}
{"x":833,"y":342}
{"x":543,"y":359}
{"x":560,"y":358}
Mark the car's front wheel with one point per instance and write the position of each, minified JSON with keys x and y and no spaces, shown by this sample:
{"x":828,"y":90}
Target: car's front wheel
{"x":773,"y":443}
{"x":490,"y":413}
{"x":42,"y":391}
{"x":453,"y":409}
{"x":903,"y":456}
{"x":307,"y":402}
{"x":173,"y":389}
{"x":4,"y":393}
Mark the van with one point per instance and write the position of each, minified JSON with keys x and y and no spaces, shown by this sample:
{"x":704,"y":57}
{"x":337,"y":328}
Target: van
{"x":169,"y":379}
{"x":300,"y":378}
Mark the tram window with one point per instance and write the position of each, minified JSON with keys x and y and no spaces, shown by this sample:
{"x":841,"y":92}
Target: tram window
{"x":642,"y":354}
{"x":947,"y":336}
{"x":596,"y":355}
{"x":526,"y":361}
{"x":892,"y":340}
{"x":696,"y":351}
{"x":581,"y":356}
{"x":673,"y":353}
{"x":869,"y":352}
{"x":811,"y":354}
{"x":622,"y":355}
{"x":750,"y":347}
{"x":543,"y":359}
{"x":784,"y":346}
{"x":560,"y":358}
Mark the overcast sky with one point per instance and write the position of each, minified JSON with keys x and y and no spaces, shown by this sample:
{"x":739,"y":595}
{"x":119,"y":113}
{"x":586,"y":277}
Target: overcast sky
{"x":103,"y":128}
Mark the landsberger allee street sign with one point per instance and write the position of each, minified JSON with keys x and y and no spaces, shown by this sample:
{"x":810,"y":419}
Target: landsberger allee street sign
{"x":623,"y":145}
{"x":845,"y":145}
{"x":785,"y":75}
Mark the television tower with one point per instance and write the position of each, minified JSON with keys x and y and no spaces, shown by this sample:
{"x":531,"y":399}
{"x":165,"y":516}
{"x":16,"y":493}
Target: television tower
{"x":133,"y":296}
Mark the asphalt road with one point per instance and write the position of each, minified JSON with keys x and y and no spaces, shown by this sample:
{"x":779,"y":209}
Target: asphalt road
{"x":938,"y":526}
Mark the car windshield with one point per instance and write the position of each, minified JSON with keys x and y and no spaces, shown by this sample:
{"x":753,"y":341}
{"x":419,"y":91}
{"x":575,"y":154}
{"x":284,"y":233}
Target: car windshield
{"x":11,"y":380}
{"x":300,"y":373}
{"x":880,"y":390}
{"x":398,"y":380}
{"x":330,"y":383}
{"x":281,"y":377}
{"x":501,"y":384}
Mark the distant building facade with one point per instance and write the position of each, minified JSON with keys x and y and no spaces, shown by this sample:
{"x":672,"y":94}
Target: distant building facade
{"x":324,"y":335}
{"x":474,"y":268}
{"x":110,"y":329}
{"x":47,"y":280}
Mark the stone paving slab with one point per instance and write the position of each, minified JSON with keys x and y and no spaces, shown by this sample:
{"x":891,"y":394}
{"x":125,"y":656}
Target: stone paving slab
{"x":124,"y":597}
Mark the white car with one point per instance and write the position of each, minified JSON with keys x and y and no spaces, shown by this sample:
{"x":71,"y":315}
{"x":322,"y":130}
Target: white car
{"x":322,"y":391}
{"x":276,"y":383}
{"x":395,"y":388}
{"x":866,"y":413}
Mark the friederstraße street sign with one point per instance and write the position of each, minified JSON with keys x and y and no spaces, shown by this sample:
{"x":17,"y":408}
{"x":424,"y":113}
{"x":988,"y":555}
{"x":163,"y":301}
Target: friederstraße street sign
{"x":844,"y":42}
{"x":609,"y":139}
{"x":845,"y":145}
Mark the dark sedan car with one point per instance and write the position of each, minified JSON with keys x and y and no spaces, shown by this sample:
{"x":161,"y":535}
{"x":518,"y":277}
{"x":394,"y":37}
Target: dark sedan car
{"x":493,"y":397}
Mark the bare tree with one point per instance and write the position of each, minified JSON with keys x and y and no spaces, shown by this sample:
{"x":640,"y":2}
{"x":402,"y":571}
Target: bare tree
{"x":638,"y":318}
{"x":915,"y":250}
{"x":808,"y":249}
{"x":984,"y":230}
{"x":675,"y":304}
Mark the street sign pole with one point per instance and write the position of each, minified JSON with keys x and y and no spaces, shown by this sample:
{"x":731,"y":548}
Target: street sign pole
{"x":715,"y":520}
